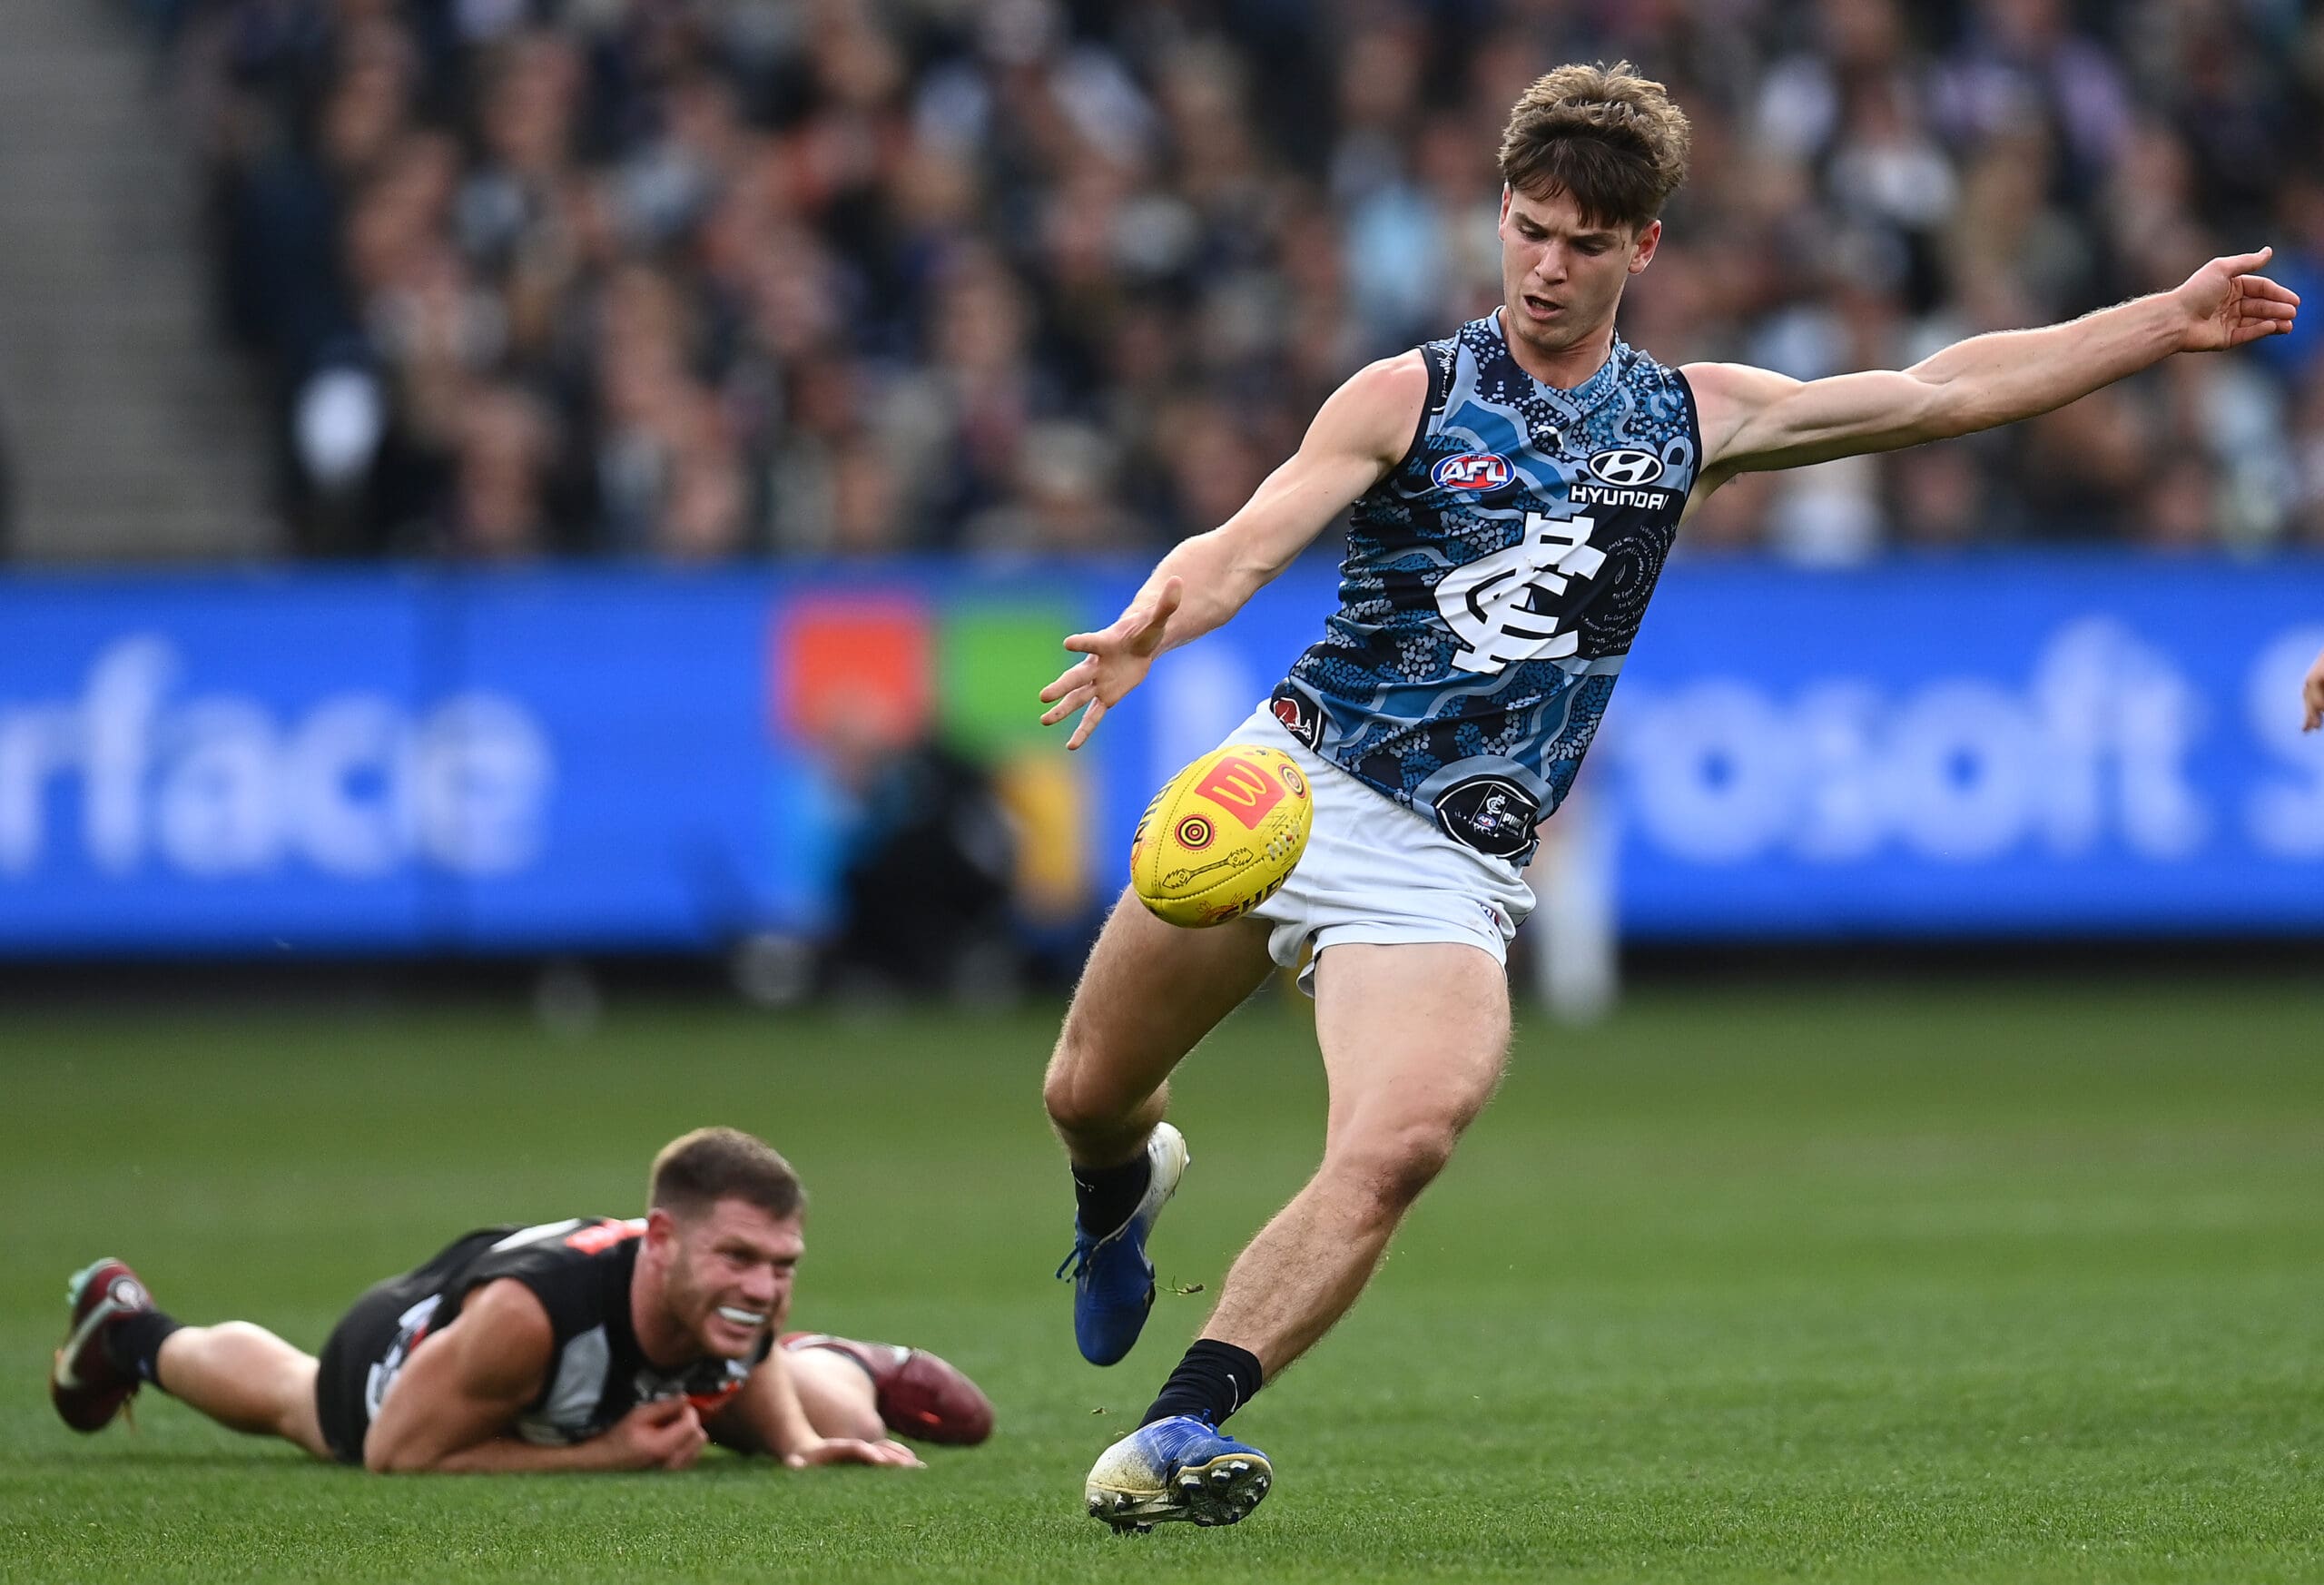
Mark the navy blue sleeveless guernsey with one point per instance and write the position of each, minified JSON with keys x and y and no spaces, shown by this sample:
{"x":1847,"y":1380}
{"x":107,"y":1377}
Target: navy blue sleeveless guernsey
{"x":1493,"y":581}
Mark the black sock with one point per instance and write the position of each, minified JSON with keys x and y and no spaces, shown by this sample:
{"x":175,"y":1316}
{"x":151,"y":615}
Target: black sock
{"x":1105,"y":1197}
{"x":1211,"y":1383}
{"x":134,"y":1343}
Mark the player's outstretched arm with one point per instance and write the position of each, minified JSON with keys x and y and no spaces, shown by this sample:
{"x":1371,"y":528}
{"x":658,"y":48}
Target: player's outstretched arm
{"x":1754,"y":420}
{"x":2311,"y":696}
{"x":1358,"y":435}
{"x":767,"y":1417}
{"x":454,"y":1402}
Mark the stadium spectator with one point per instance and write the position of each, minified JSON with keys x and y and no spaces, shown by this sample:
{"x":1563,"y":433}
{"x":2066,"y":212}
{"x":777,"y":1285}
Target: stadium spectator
{"x":1039,"y":276}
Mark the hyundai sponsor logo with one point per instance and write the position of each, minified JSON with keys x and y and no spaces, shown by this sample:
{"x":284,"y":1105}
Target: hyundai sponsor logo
{"x":1626,"y":464}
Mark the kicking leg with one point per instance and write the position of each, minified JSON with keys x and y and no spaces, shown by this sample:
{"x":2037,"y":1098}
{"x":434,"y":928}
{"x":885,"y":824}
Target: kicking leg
{"x":1150,"y":991}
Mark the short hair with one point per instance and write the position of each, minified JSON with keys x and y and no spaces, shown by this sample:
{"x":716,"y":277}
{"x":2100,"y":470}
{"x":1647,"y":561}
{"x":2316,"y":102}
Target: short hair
{"x":694,"y":1171}
{"x":1605,"y":134}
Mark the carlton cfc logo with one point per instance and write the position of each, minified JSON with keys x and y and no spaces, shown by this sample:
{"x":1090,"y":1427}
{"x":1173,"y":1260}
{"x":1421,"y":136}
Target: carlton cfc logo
{"x":1472,"y":470}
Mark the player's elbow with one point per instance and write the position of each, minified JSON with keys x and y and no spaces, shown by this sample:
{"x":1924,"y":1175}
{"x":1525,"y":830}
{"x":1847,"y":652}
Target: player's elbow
{"x":390,"y":1454}
{"x":381,"y":1457}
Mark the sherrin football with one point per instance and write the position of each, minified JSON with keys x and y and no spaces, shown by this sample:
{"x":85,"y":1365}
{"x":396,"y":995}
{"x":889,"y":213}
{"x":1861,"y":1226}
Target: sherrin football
{"x":1223,"y":836}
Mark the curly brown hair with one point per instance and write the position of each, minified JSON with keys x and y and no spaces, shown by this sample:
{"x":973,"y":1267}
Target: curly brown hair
{"x":1603,"y":134}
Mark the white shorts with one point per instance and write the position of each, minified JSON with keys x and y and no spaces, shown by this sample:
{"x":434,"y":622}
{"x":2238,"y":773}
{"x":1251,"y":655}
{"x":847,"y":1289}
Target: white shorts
{"x":1376,"y":871}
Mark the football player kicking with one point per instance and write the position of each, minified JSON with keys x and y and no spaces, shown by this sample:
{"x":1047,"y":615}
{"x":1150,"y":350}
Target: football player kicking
{"x":1514,"y":490}
{"x":587,"y":1345}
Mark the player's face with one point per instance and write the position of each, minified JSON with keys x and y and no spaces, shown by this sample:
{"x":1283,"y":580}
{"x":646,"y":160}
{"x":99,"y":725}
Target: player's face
{"x":1562,"y":277}
{"x":730,"y":1275}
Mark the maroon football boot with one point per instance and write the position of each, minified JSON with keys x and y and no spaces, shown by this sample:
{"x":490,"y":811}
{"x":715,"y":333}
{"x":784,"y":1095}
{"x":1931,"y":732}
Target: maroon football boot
{"x":919,"y":1394}
{"x":87,"y":1388}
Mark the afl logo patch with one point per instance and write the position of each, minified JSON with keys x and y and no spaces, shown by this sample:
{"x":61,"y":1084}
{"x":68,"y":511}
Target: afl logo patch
{"x":1472,"y":470}
{"x":1627,"y":465}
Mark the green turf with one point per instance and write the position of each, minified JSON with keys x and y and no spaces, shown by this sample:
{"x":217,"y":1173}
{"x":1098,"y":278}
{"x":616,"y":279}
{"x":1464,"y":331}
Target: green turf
{"x":1967,"y":1282}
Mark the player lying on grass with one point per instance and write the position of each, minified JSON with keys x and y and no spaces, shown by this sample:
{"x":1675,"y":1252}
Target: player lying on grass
{"x":587,"y":1345}
{"x":1515,"y":487}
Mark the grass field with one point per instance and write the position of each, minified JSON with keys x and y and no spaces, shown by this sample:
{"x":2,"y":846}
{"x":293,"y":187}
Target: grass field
{"x":1956,"y":1282}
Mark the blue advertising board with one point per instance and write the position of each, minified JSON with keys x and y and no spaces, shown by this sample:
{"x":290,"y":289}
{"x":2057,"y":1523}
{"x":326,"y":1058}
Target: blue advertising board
{"x":622,"y":758}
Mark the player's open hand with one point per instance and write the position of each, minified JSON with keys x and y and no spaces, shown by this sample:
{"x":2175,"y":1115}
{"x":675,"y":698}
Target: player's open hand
{"x":886,"y":1452}
{"x":664,"y":1435}
{"x":2311,"y":696}
{"x":1114,"y":661}
{"x":2228,"y":305}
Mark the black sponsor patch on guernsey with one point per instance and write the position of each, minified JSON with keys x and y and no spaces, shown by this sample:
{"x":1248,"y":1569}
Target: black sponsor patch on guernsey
{"x":1297,"y":715}
{"x":1489,"y":813}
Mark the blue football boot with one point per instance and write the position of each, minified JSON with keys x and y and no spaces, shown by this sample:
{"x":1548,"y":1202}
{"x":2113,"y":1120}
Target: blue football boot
{"x":1178,"y":1468}
{"x":1113,"y":1282}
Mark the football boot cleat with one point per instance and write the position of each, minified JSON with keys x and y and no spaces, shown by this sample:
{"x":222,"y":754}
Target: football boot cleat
{"x":1113,"y":1281}
{"x":87,"y":1388}
{"x":1178,"y":1468}
{"x":919,"y":1395}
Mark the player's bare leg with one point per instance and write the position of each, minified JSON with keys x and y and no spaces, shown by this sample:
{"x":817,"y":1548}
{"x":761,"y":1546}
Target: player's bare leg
{"x":246,"y":1379}
{"x":836,"y":1393}
{"x":116,"y":1342}
{"x":870,"y":1390}
{"x":1149,"y":993}
{"x":1415,"y":1038}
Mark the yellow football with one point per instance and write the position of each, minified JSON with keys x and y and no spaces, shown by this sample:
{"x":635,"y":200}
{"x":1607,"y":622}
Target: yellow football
{"x":1220,"y":838}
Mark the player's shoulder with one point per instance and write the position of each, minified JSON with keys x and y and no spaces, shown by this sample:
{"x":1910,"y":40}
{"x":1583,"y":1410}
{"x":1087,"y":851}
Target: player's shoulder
{"x":504,"y":1338}
{"x":1732,"y":381}
{"x":1377,"y":409}
{"x":1402,"y":379}
{"x":508,"y":1307}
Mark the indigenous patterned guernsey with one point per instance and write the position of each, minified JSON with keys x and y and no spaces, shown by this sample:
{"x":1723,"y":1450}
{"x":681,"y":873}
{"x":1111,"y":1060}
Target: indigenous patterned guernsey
{"x":580,"y":1271}
{"x":1493,"y":581}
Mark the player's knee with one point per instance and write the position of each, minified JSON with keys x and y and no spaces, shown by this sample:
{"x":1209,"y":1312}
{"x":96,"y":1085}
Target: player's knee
{"x":1390,"y":1166}
{"x":1079,"y":1100}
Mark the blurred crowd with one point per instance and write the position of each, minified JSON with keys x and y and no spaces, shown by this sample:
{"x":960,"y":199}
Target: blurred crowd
{"x":713,"y":278}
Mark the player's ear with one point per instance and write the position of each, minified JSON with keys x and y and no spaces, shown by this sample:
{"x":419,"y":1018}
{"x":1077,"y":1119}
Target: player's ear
{"x":1642,"y":250}
{"x":1506,"y":195}
{"x":661,"y":1227}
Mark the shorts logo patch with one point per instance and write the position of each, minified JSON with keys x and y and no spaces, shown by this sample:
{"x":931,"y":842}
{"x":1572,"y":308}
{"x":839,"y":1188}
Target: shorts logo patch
{"x":1489,"y":813}
{"x":1472,"y":470}
{"x":1298,"y":717}
{"x":1194,"y":831}
{"x":1242,"y":789}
